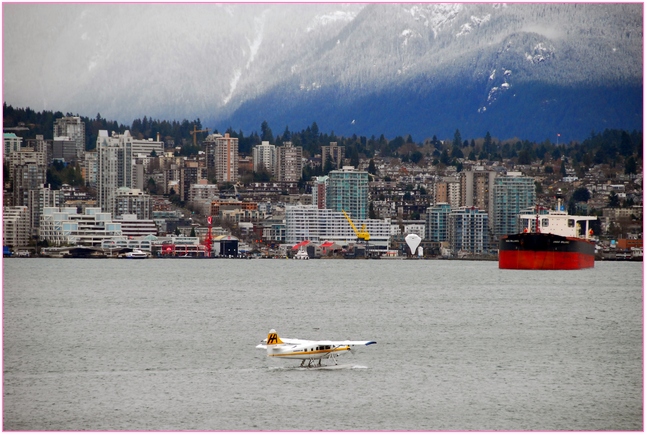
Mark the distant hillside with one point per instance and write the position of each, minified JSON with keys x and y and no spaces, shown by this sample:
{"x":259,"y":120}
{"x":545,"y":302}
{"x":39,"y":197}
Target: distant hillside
{"x":523,"y":70}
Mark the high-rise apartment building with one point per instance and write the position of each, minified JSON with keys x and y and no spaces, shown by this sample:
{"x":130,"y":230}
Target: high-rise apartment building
{"x":15,"y":226}
{"x":448,"y":190}
{"x":73,"y":128}
{"x":28,"y":172}
{"x":333,"y":153}
{"x":476,"y":188}
{"x":12,"y":143}
{"x":264,"y":155}
{"x":319,"y":186}
{"x":132,"y":202}
{"x":468,"y":231}
{"x":64,"y":148}
{"x":437,"y":223}
{"x":90,"y":168}
{"x":225,"y":157}
{"x":190,"y":173}
{"x":512,"y":194}
{"x":115,"y":167}
{"x":348,"y":190}
{"x":289,"y":166}
{"x":40,"y":145}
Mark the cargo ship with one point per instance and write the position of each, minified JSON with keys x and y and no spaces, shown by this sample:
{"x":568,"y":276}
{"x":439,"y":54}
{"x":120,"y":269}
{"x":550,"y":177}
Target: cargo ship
{"x":551,"y":240}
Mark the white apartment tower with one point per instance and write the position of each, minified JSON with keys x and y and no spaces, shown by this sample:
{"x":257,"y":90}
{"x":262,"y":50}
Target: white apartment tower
{"x":265,"y":155}
{"x":115,"y":167}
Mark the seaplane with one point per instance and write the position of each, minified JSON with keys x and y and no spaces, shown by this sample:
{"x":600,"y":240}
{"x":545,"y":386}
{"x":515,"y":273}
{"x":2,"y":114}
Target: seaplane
{"x":310,"y":351}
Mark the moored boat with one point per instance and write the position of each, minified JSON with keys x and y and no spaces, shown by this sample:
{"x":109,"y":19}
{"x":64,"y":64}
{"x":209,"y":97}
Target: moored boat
{"x":549,"y":241}
{"x":301,"y":254}
{"x":136,"y":254}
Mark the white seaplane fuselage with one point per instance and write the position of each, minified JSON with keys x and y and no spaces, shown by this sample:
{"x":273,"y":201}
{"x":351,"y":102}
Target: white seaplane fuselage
{"x":307,"y":350}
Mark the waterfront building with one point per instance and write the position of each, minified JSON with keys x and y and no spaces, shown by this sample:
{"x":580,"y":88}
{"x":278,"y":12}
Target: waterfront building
{"x":437,"y":229}
{"x":63,"y":225}
{"x":73,"y":128}
{"x":273,"y":230}
{"x":511,"y":195}
{"x":348,"y":190}
{"x":332,"y":153}
{"x":468,"y":231}
{"x":117,"y":243}
{"x":264,"y":156}
{"x":319,"y":186}
{"x":115,"y":166}
{"x":289,"y":166}
{"x":134,"y":227}
{"x":417,"y":227}
{"x":15,"y":226}
{"x":307,"y":222}
{"x":40,"y":198}
{"x":408,"y":227}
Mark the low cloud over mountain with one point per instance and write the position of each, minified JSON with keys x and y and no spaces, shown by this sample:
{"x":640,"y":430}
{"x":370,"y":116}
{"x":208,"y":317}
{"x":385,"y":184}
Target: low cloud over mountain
{"x":526,"y":70}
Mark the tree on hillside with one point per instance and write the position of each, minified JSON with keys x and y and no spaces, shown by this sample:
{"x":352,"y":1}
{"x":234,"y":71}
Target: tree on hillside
{"x":457,"y":139}
{"x":266,"y":132}
{"x":631,"y":166}
{"x":614,"y":201}
{"x":581,"y":194}
{"x":487,"y":143}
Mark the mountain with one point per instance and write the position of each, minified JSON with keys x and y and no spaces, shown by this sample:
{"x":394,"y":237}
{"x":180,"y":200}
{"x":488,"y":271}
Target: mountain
{"x":525,"y":70}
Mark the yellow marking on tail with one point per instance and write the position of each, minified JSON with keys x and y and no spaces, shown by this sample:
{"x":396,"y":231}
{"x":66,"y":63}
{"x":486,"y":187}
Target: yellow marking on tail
{"x":273,"y":338}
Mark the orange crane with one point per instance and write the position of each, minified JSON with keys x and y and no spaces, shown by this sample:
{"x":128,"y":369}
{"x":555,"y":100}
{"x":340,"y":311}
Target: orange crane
{"x":195,"y":131}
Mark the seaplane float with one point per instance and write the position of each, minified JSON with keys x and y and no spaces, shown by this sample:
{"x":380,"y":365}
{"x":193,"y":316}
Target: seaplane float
{"x":310,"y":351}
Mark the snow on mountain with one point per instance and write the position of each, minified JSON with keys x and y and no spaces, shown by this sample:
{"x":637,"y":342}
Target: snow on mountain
{"x":242,"y":63}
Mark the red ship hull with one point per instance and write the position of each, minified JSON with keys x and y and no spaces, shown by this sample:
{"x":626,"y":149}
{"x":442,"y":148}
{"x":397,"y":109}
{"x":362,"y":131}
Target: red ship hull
{"x":534,"y":251}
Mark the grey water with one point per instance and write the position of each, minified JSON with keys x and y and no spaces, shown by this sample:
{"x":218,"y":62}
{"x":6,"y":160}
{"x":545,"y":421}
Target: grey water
{"x":169,"y":345}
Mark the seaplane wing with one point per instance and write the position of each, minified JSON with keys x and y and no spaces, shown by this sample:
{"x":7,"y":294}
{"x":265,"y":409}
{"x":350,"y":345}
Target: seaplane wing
{"x":307,"y":350}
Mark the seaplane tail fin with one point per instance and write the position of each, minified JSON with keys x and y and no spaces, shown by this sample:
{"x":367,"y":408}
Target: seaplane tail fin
{"x":273,"y":338}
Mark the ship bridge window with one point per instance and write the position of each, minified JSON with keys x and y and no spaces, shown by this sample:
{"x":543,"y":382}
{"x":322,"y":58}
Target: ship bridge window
{"x":544,"y":222}
{"x":571,"y":223}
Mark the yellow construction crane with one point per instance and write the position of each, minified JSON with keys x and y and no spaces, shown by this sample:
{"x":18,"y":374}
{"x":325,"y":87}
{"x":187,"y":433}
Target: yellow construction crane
{"x":194,"y":132}
{"x":362,"y":233}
